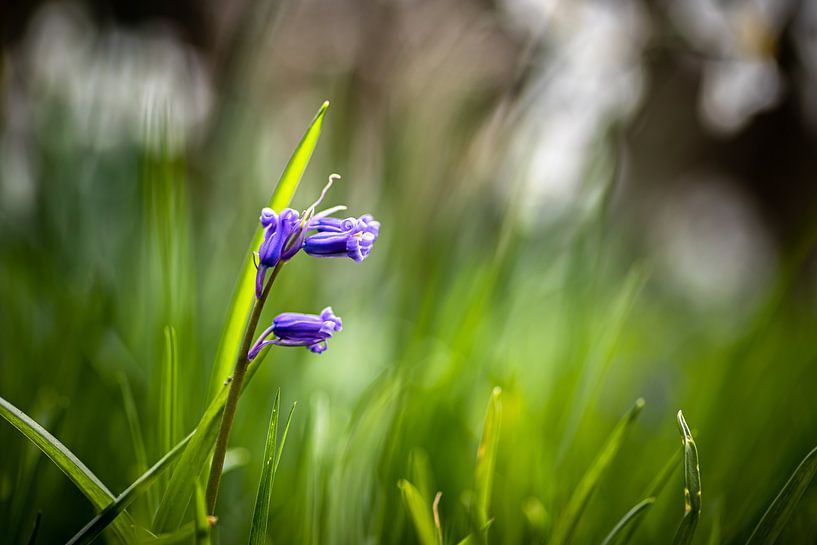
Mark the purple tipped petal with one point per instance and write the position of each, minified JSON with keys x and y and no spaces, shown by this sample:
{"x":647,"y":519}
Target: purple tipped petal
{"x":350,"y":237}
{"x":296,"y":329}
{"x":268,"y":217}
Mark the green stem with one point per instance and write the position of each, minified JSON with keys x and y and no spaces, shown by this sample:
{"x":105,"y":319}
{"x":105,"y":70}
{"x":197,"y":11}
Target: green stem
{"x":231,"y":404}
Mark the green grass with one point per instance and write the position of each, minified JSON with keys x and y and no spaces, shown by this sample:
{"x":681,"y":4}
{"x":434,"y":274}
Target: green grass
{"x":117,"y":340}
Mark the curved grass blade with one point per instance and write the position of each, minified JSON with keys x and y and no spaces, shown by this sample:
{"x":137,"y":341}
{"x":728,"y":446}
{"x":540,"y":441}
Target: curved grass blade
{"x":581,"y":496}
{"x":243,"y":296}
{"x":260,"y":516}
{"x":193,"y":460}
{"x":777,"y":515}
{"x":692,"y":486}
{"x":82,"y":477}
{"x":486,"y":456}
{"x":419,"y":512}
{"x":96,"y":525}
{"x":632,"y":515}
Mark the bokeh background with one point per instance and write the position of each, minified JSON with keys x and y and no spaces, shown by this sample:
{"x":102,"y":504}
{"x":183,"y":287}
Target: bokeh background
{"x":583,"y":202}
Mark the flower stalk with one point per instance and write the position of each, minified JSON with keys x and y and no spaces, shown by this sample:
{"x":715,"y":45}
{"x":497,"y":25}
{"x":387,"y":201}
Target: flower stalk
{"x":228,"y":416}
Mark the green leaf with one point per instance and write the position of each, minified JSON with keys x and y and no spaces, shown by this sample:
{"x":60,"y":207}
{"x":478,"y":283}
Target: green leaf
{"x":202,"y":521}
{"x":566,"y":525}
{"x":632,"y":515}
{"x":174,"y":502}
{"x":109,"y":514}
{"x":692,"y":486}
{"x":168,"y":399}
{"x":82,"y":477}
{"x":419,"y":512}
{"x":486,"y":456}
{"x":136,"y":433}
{"x":777,"y":515}
{"x":244,"y":295}
{"x":272,"y":456}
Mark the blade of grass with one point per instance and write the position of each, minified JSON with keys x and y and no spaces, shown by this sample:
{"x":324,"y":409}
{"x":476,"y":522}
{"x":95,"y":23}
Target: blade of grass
{"x":419,"y":512}
{"x":777,"y":515}
{"x":632,"y":515}
{"x":692,"y":486}
{"x":168,"y":400}
{"x":82,"y":477}
{"x":139,"y":451}
{"x":202,"y":533}
{"x":260,"y":515}
{"x":244,"y":295}
{"x":486,"y":456}
{"x":566,"y":524}
{"x":194,"y":459}
{"x":96,"y":525}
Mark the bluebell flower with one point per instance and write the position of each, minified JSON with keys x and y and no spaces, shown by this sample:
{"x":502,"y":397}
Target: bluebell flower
{"x":348,"y":237}
{"x":278,"y":244}
{"x":295,"y":329}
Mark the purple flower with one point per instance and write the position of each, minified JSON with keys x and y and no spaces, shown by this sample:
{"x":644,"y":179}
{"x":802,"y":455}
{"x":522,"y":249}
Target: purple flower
{"x":277,"y":245}
{"x":295,"y":329}
{"x":349,"y":237}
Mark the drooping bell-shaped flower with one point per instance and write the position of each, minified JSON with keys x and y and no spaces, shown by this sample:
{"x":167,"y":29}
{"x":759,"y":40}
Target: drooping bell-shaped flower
{"x":296,"y":329}
{"x":277,"y":244}
{"x":348,"y":237}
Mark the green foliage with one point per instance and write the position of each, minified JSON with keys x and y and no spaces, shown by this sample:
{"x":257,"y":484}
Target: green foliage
{"x":781,"y":509}
{"x":566,"y":524}
{"x":272,"y":456}
{"x":486,"y":457}
{"x":616,"y":535}
{"x":96,"y":525}
{"x":420,"y":513}
{"x":74,"y":469}
{"x":194,"y":458}
{"x":692,"y":486}
{"x":244,"y":294}
{"x":459,"y":295}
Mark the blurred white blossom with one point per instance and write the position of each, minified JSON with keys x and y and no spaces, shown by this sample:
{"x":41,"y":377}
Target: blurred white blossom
{"x":587,"y":76}
{"x":107,"y":79}
{"x":737,"y":41}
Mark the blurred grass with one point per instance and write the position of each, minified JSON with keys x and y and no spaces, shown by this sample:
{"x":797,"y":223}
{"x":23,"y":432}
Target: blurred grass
{"x":457,"y":299}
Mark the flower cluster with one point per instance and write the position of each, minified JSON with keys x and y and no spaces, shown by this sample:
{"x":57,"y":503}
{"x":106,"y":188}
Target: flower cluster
{"x":318,"y":235}
{"x":285,"y":234}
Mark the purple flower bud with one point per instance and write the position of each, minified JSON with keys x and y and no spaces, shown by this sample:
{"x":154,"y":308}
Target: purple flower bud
{"x":278,"y":230}
{"x":349,"y":237}
{"x":295,"y":329}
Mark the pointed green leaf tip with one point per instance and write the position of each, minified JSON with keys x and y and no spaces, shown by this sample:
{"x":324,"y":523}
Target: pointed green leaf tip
{"x":692,"y":485}
{"x":244,"y":295}
{"x":486,"y":456}
{"x":419,"y":512}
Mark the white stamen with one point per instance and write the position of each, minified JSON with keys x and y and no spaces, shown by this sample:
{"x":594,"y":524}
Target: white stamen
{"x":311,"y":210}
{"x":329,"y":211}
